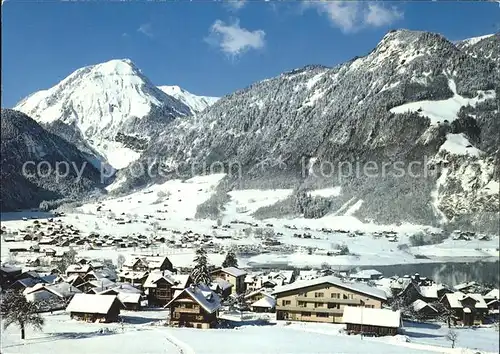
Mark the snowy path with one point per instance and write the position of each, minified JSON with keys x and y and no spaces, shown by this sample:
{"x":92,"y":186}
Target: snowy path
{"x":181,"y":346}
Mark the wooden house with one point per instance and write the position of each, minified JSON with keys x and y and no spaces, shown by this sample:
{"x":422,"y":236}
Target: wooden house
{"x":371,"y":321}
{"x":424,"y":310}
{"x":94,"y":308}
{"x":160,"y":286}
{"x":195,"y":306}
{"x":467,"y":309}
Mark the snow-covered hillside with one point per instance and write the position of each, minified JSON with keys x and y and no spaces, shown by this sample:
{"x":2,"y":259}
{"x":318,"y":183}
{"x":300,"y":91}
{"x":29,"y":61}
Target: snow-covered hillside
{"x":194,"y":102}
{"x":111,"y":107}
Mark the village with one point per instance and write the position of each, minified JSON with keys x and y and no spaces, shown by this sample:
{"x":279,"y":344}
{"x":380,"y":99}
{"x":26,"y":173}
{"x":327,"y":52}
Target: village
{"x":205,"y":296}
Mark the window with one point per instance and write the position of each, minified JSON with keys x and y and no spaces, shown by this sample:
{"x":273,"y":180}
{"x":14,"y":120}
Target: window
{"x":306,"y":314}
{"x":177,"y":315}
{"x":286,"y":302}
{"x":335,"y":296}
{"x":319,"y":294}
{"x":370,"y":306}
{"x":302,"y":304}
{"x":318,"y":304}
{"x":322,"y":314}
{"x":348,"y":297}
{"x":333,"y":306}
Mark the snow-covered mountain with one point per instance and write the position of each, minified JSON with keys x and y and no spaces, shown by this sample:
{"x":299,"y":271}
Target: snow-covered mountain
{"x":416,"y":97}
{"x":194,"y":102}
{"x":38,"y":165}
{"x":473,"y":40}
{"x":111,"y":110}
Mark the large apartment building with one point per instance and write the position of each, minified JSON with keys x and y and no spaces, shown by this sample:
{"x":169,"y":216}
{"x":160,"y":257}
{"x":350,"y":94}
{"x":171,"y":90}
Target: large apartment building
{"x":323,"y":299}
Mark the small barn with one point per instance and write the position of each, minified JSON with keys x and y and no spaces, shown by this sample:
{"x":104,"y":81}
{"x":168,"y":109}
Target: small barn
{"x":265,"y":304}
{"x":94,"y":308}
{"x":371,"y":321}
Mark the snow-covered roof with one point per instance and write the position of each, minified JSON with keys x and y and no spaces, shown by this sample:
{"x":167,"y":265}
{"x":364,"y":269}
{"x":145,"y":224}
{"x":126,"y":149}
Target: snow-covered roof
{"x":235,"y":272}
{"x":155,"y":261}
{"x":61,"y":290}
{"x":130,"y":262}
{"x":492,"y":294}
{"x":87,"y":303}
{"x":78,"y":268}
{"x":372,"y":317}
{"x":430,"y":291}
{"x":133,"y":275}
{"x":201,"y":294}
{"x":420,"y":304}
{"x":354,"y":286}
{"x":154,"y":276}
{"x":365,"y":274}
{"x":129,"y":297}
{"x":464,"y":285}
{"x":220,"y":283}
{"x":102,"y":283}
{"x":267,"y":302}
{"x":455,"y":300}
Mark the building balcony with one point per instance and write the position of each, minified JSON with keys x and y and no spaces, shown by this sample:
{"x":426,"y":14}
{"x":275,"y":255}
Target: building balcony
{"x":186,"y":310}
{"x":310,"y":309}
{"x":330,"y":300}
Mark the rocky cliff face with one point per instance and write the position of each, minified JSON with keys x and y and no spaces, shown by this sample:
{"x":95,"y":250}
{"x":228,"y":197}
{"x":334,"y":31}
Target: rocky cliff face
{"x":38,"y":165}
{"x":417,"y":102}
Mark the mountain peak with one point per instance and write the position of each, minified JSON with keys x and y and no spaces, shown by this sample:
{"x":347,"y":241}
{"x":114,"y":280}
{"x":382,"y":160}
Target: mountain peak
{"x":103,"y":103}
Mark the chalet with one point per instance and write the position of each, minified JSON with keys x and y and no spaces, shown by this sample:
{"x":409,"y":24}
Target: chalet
{"x":468,"y":309}
{"x":75,"y":280}
{"x":136,"y":264}
{"x":371,"y":321}
{"x":160,"y":286}
{"x":195,"y":306}
{"x":21,"y":284}
{"x":266,"y":304}
{"x":129,"y":296}
{"x":427,"y":293}
{"x":159,"y":263}
{"x":424,"y":310}
{"x":323,"y":299}
{"x":55,"y":294}
{"x":469,"y":287}
{"x":94,"y":308}
{"x":492,"y":295}
{"x":221,"y":287}
{"x":232,"y":275}
{"x":255,"y":296}
{"x":78,"y":269}
{"x":96,"y":286}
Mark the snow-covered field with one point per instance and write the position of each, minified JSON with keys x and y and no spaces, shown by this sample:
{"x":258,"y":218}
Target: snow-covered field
{"x":144,"y":332}
{"x":172,"y":206}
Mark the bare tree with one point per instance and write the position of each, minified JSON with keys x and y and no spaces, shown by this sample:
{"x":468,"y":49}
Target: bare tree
{"x":452,"y":337}
{"x":120,"y":261}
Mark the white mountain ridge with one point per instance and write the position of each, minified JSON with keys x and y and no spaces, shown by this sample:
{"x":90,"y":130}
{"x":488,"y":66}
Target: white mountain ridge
{"x":196,"y":103}
{"x":101,"y":101}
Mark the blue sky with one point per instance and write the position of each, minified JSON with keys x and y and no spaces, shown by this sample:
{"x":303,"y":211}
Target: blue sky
{"x":210,"y":48}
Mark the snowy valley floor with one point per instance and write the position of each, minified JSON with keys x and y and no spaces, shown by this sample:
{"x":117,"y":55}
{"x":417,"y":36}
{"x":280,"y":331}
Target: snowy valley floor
{"x":177,"y":212}
{"x":144,"y":332}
